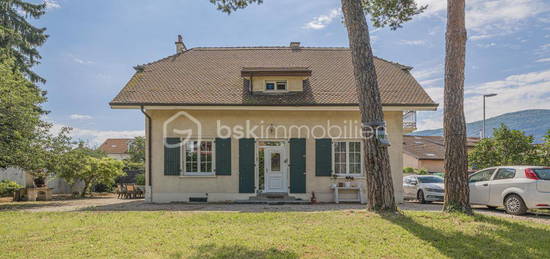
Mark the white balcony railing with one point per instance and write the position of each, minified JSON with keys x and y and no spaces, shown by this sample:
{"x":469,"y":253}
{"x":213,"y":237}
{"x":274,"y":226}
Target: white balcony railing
{"x":409,"y":119}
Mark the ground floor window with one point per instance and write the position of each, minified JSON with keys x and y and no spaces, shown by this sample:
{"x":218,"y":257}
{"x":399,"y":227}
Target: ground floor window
{"x":198,"y":157}
{"x":347,"y":157}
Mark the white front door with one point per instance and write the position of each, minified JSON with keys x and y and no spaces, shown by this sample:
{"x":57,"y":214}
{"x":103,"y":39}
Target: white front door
{"x":276,"y":164}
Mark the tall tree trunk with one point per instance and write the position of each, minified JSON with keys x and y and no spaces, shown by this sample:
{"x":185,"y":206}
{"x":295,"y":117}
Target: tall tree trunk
{"x":377,"y":163}
{"x":456,"y":164}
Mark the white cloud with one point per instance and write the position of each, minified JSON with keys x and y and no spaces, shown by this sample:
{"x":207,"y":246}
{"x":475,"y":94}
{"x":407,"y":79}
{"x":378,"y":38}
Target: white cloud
{"x":80,"y":60}
{"x":52,"y":4}
{"x":430,"y":82}
{"x":491,"y":18}
{"x":96,"y":137}
{"x":543,"y":60}
{"x":488,"y":45}
{"x":429,"y":73}
{"x":428,"y":124}
{"x":80,"y":117}
{"x":322,"y":21}
{"x":413,"y":42}
{"x":515,"y":93}
{"x":436,"y":93}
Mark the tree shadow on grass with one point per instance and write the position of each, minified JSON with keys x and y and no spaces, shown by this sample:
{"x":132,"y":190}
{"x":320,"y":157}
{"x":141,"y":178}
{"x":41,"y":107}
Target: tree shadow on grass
{"x":492,"y":237}
{"x":215,"y":251}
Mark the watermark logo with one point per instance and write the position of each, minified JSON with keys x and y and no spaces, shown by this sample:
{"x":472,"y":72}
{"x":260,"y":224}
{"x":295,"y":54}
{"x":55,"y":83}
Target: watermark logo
{"x":186,"y":133}
{"x":187,"y":127}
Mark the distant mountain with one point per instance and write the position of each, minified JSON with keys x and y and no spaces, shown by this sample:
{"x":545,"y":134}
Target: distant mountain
{"x":533,"y":122}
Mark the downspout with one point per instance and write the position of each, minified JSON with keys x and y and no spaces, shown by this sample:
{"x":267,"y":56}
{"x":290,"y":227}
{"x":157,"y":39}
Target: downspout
{"x":149,"y":153}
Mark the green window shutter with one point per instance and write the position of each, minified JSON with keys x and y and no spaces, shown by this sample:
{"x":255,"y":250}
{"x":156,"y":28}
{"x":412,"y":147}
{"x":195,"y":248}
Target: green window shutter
{"x":298,"y":165}
{"x":246,"y":165}
{"x":323,"y":157}
{"x":223,"y":156}
{"x":172,"y":157}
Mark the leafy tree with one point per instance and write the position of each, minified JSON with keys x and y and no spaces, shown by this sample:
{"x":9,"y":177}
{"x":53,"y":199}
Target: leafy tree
{"x":20,"y":113}
{"x":45,"y":153}
{"x":457,"y":192}
{"x":18,"y":38}
{"x":544,"y":150}
{"x":137,"y":150}
{"x":393,"y":13}
{"x":506,"y":147}
{"x":79,"y":166}
{"x":101,"y":171}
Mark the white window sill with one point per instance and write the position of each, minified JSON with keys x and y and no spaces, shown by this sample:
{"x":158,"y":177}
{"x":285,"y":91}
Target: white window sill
{"x":354,"y":176}
{"x":198,"y":176}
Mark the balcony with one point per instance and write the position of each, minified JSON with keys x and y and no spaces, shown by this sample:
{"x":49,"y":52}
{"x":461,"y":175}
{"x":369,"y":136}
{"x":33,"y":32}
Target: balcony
{"x":409,"y":121}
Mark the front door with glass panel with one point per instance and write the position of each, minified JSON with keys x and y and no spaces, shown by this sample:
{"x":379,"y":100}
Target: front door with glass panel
{"x":275,"y":167}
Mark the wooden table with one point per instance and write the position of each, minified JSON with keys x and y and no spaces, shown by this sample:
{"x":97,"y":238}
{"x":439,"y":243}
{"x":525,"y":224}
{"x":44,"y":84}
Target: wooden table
{"x":359,"y":191}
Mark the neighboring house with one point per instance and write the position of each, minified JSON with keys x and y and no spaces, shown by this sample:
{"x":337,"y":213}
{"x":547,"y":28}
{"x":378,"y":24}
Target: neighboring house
{"x":228,"y":123}
{"x":116,"y":148}
{"x":428,"y":152}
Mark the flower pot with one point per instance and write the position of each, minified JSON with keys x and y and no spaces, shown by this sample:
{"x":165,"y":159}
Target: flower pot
{"x":347,"y":184}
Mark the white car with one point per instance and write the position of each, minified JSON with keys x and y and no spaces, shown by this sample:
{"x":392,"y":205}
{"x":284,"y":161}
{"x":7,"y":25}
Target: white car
{"x":424,"y":188}
{"x":517,"y":188}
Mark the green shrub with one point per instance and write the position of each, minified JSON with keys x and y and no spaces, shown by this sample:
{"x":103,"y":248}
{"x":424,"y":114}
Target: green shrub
{"x":140,"y":179}
{"x":421,"y":171}
{"x":7,"y":187}
{"x":408,"y":170}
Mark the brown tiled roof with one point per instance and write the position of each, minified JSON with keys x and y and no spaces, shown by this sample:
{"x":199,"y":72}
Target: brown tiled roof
{"x":207,"y":76}
{"x":429,"y":147}
{"x":115,"y":146}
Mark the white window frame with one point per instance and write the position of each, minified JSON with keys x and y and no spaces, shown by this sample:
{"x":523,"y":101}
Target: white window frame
{"x":275,"y":86}
{"x":362,"y":154}
{"x":183,"y":159}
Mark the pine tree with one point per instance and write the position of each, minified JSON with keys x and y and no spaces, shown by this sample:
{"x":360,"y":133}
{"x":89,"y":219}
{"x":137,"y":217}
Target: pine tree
{"x":457,"y":192}
{"x":391,"y":13}
{"x":18,"y":38}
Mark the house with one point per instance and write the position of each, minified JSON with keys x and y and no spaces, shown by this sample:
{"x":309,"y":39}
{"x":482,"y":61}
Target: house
{"x":428,"y":152}
{"x":230,"y":123}
{"x":116,"y":148}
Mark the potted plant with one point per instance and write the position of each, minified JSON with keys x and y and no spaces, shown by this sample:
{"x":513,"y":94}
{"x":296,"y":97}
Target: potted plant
{"x":349,"y":179}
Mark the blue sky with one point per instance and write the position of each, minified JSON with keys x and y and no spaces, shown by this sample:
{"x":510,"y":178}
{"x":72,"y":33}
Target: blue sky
{"x":93,"y":46}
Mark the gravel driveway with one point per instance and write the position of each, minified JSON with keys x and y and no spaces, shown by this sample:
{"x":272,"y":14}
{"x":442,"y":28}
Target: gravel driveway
{"x":111,"y":203}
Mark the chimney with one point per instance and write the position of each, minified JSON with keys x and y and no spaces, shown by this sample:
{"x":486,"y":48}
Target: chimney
{"x":295,"y":45}
{"x":180,"y":47}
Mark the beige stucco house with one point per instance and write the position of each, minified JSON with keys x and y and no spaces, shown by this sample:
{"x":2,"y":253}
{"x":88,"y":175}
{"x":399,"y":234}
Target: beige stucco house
{"x":231,"y":123}
{"x":428,"y":152}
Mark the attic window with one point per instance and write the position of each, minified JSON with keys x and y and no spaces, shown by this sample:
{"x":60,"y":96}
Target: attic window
{"x":430,"y":154}
{"x":275,"y":85}
{"x":113,"y":145}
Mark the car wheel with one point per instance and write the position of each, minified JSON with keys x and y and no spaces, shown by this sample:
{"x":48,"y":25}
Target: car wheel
{"x":513,"y":204}
{"x":420,"y":197}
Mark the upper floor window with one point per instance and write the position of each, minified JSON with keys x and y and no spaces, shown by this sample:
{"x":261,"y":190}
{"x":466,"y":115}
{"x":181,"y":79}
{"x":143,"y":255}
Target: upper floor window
{"x":280,"y":85}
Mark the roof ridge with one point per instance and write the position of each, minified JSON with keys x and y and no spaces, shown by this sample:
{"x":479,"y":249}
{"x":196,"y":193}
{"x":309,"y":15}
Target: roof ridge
{"x":267,"y":47}
{"x":405,"y":67}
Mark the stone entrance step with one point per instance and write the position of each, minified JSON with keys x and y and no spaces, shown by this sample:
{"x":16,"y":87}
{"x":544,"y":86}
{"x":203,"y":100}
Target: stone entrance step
{"x":272,"y":198}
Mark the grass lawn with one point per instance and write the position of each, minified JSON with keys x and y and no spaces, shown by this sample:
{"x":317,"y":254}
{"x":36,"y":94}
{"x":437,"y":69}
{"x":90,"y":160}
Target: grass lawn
{"x":267,"y":235}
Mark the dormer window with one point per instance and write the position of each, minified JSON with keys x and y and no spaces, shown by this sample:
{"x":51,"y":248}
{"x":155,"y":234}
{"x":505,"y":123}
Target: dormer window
{"x":279,"y":85}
